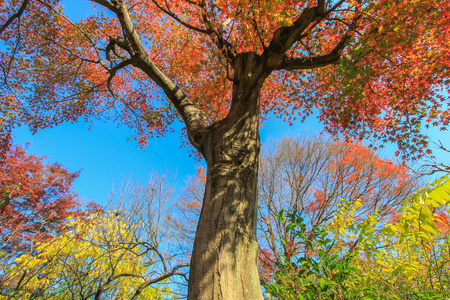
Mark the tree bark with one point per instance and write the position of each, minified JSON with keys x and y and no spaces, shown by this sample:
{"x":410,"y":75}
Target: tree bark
{"x":224,"y":260}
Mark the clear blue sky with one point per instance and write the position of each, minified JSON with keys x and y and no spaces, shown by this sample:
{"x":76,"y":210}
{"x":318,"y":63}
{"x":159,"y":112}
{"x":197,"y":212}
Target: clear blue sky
{"x":106,"y":157}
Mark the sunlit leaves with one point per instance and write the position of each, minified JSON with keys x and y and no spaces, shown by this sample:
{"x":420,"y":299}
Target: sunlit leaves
{"x":97,"y":257}
{"x":36,"y":199}
{"x":403,"y":259}
{"x":390,"y":82}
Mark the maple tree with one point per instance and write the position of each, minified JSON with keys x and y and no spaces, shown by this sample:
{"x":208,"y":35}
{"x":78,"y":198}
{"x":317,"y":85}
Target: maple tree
{"x":36,"y":199}
{"x":369,"y":69}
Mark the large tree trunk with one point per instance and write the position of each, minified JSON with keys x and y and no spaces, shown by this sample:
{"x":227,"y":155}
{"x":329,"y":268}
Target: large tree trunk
{"x":224,"y":259}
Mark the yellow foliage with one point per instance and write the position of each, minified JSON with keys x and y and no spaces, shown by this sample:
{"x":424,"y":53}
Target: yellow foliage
{"x":102,"y":252}
{"x":405,"y":257}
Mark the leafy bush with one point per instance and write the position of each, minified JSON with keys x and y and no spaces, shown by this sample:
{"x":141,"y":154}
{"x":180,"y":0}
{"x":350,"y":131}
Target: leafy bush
{"x":403,"y":256}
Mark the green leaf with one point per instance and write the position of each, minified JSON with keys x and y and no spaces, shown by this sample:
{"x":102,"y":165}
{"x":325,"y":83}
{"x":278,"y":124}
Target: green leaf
{"x":290,"y":226}
{"x":429,"y":229}
{"x":426,"y":213}
{"x":397,"y":270}
{"x":322,"y":283}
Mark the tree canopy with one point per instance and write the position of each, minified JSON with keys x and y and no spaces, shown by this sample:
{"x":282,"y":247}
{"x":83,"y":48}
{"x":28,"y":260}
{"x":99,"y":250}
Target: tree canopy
{"x":368,"y":68}
{"x":36,"y":199}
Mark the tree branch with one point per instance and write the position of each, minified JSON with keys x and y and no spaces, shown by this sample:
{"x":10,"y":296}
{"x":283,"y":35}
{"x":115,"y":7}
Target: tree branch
{"x":294,"y":63}
{"x":321,"y":7}
{"x":285,"y":37}
{"x":106,"y":4}
{"x":158,"y":279}
{"x":15,"y":16}
{"x":193,"y":117}
{"x":176,"y":18}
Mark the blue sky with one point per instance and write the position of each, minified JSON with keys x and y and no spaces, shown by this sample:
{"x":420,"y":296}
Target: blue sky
{"x":106,"y":156}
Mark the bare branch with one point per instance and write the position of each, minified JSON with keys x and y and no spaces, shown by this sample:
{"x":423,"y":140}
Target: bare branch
{"x":159,"y":279}
{"x":432,"y":166}
{"x":176,"y":18}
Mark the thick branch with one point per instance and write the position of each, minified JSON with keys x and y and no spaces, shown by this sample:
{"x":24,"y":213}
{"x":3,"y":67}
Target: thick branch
{"x":294,"y":63}
{"x":285,"y":37}
{"x":193,"y":117}
{"x":112,"y":71}
{"x":321,"y":6}
{"x":15,"y":16}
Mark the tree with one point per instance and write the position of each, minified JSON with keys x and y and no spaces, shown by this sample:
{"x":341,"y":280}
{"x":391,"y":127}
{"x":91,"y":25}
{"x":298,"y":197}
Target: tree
{"x":311,"y":178}
{"x":405,"y":257}
{"x":369,"y":68}
{"x":99,"y":257}
{"x":123,"y":253}
{"x":412,"y":251}
{"x":150,"y":205}
{"x":35,"y":200}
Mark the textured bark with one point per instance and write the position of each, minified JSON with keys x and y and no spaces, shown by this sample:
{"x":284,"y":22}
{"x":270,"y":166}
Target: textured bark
{"x":224,"y":260}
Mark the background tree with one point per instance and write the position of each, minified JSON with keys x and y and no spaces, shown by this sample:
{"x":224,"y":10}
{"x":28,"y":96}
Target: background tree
{"x":311,"y":178}
{"x":123,"y":253}
{"x":431,"y":165}
{"x":403,"y":258}
{"x":188,"y":207}
{"x":96,"y":259}
{"x":369,"y":68}
{"x":151,"y":206}
{"x":412,"y":250}
{"x":35,"y":200}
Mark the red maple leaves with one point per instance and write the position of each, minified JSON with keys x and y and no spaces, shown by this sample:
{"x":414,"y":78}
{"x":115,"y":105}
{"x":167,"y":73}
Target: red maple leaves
{"x":35,"y":199}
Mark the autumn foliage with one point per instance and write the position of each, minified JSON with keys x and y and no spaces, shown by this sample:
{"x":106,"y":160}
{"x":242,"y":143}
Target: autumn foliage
{"x":101,"y":245}
{"x":35,"y":200}
{"x":391,"y":79}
